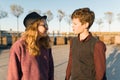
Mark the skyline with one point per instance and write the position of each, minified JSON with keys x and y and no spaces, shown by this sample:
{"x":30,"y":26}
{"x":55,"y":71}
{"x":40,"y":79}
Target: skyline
{"x":99,"y":7}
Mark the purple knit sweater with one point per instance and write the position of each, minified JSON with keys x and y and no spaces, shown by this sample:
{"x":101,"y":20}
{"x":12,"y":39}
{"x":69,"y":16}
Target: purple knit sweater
{"x":23,"y":66}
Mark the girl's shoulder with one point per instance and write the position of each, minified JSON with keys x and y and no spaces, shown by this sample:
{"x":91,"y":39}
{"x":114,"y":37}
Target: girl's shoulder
{"x":18,"y":44}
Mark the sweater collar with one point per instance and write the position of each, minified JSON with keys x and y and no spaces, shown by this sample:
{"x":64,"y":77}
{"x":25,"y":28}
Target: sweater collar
{"x":87,"y":38}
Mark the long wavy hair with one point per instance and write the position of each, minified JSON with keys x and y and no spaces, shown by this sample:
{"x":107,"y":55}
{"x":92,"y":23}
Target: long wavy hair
{"x":34,"y":39}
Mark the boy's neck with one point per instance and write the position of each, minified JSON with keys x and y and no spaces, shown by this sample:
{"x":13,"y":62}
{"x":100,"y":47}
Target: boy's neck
{"x":82,"y":36}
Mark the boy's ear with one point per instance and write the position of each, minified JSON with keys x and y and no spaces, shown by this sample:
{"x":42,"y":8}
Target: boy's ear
{"x":86,"y":25}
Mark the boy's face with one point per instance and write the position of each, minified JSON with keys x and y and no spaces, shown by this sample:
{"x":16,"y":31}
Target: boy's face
{"x":77,"y":26}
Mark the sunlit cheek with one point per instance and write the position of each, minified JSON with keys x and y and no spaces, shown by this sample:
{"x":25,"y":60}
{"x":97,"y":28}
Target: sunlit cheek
{"x":40,"y":30}
{"x":76,"y":29}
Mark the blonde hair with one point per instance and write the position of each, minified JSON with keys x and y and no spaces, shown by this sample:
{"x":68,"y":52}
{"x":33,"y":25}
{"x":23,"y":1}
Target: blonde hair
{"x":33,"y":42}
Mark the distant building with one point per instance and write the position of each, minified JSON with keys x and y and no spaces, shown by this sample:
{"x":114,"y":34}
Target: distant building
{"x":6,"y":37}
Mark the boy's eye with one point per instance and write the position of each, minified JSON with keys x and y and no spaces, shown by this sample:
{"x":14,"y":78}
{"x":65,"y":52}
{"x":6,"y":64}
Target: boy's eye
{"x":74,"y":24}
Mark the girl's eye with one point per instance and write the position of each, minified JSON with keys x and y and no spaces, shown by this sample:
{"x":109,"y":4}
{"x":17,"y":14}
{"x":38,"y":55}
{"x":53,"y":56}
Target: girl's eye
{"x":42,"y":25}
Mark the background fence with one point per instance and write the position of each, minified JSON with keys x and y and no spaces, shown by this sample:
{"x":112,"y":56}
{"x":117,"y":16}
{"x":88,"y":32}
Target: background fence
{"x":106,"y":37}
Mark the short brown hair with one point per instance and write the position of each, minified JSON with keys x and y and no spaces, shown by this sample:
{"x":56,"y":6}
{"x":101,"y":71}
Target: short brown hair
{"x":84,"y":15}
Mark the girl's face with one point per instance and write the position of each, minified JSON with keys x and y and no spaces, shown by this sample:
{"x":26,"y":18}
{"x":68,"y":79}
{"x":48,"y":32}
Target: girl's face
{"x":77,"y":26}
{"x":43,"y":27}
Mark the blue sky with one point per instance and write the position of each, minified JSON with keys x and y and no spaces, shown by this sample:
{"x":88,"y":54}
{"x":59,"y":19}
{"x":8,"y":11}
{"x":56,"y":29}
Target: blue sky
{"x":68,"y":6}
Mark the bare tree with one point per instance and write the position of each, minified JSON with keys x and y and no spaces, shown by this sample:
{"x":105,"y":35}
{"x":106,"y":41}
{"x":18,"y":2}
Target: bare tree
{"x":68,"y":20}
{"x":109,"y":17}
{"x":60,"y":16}
{"x":118,"y":16}
{"x":99,"y":22}
{"x":49,"y":15}
{"x":3,"y":14}
{"x":17,"y":10}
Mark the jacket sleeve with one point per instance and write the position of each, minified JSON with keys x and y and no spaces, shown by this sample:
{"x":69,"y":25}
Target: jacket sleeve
{"x":51,"y":66}
{"x":68,"y":70}
{"x":100,"y":60}
{"x":14,"y":66}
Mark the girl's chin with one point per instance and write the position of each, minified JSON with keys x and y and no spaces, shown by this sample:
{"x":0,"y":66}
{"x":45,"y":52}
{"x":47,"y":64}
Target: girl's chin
{"x":43,"y":34}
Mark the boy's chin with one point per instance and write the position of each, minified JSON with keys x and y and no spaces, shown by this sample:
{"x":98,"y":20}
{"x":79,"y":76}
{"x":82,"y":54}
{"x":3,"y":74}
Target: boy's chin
{"x":75,"y":33}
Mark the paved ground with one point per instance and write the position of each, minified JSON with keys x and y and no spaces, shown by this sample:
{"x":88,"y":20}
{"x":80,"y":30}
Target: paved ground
{"x":60,"y":55}
{"x":113,"y":62}
{"x":3,"y":63}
